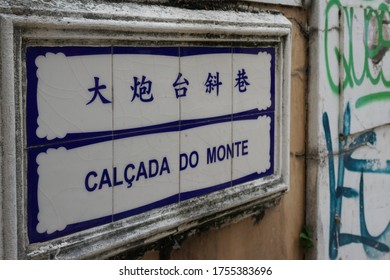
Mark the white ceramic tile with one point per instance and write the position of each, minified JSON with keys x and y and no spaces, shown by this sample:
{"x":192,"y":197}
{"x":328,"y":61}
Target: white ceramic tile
{"x":208,"y":144}
{"x":65,"y":87}
{"x":251,"y":81}
{"x":203,"y":101}
{"x":148,"y":163}
{"x":253,"y":146}
{"x":152,"y":100}
{"x":69,"y":186}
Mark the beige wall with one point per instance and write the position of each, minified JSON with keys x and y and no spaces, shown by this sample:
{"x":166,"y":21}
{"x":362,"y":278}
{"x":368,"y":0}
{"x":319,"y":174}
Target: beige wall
{"x":276,"y":236}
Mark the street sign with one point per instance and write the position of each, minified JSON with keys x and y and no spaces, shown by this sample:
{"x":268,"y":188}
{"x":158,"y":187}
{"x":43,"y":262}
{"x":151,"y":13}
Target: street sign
{"x":117,"y":131}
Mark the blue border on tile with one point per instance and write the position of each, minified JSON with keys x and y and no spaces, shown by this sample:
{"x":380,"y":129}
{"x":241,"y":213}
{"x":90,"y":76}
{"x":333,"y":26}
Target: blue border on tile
{"x":190,"y":51}
{"x":77,"y":140}
{"x":32,"y":82}
{"x":250,"y":177}
{"x":165,"y":51}
{"x":36,"y":146}
{"x":158,"y":204}
{"x":256,"y":51}
{"x":33,"y":208}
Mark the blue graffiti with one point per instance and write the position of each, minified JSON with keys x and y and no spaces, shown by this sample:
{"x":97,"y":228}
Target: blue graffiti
{"x":374,"y":246}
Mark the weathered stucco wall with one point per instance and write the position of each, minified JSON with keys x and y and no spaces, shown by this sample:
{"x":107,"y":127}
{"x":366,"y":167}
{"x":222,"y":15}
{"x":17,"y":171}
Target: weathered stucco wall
{"x":348,"y":168}
{"x":273,"y":234}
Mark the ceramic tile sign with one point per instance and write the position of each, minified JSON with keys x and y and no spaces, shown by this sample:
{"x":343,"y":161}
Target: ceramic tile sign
{"x":117,"y":131}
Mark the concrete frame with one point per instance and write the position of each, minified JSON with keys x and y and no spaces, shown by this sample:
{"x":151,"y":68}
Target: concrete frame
{"x":298,"y":3}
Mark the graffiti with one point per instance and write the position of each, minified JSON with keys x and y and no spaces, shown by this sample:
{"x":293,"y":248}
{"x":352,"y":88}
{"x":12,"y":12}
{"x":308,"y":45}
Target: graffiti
{"x":375,"y":21}
{"x":374,"y":246}
{"x":358,"y":59}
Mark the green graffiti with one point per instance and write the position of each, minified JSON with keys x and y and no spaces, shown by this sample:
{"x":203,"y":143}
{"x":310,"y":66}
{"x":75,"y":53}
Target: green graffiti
{"x":351,"y":78}
{"x":372,"y":97}
{"x":333,"y":85}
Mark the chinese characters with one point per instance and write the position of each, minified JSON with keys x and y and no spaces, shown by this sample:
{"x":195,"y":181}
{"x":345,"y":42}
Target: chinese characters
{"x":142,"y":90}
{"x":212,"y":83}
{"x":141,"y":87}
{"x":96,"y":92}
{"x":242,"y":80}
{"x":180,"y":86}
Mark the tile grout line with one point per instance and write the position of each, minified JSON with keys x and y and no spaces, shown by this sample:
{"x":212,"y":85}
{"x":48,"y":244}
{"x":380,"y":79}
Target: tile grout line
{"x":231,"y":122}
{"x":112,"y":129}
{"x":179,"y":198}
